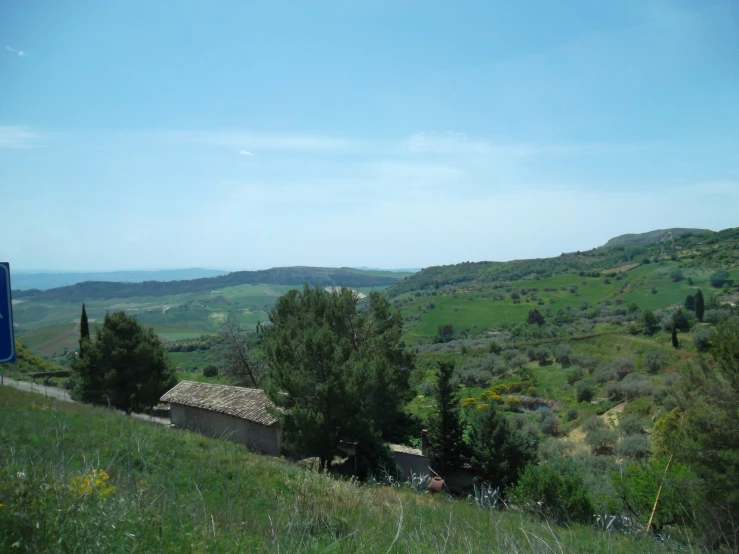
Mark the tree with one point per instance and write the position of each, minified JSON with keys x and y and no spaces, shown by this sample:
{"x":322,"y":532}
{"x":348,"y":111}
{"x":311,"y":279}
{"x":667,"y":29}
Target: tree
{"x":555,"y":491}
{"x":124,"y":366}
{"x":446,"y":444}
{"x":498,"y":452}
{"x":535,"y":318}
{"x":705,"y":434}
{"x":240,"y":364}
{"x":638,"y":484}
{"x":651,"y":324}
{"x":680,"y":320}
{"x":675,"y":342}
{"x":700,"y":305}
{"x":336,"y":371}
{"x":210,"y":371}
{"x":445,"y":333}
{"x":719,"y":278}
{"x":690,"y":303}
{"x":84,"y":325}
{"x":677,"y":275}
{"x":655,"y":360}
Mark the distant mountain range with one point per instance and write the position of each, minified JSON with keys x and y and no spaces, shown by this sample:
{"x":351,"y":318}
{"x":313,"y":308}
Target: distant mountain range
{"x":44,"y":280}
{"x":320,"y":276}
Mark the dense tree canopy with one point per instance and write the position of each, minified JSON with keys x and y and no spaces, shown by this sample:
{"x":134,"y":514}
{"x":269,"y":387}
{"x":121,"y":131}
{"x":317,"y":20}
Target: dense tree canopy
{"x":335,"y":370}
{"x":124,"y":366}
{"x":704,"y":432}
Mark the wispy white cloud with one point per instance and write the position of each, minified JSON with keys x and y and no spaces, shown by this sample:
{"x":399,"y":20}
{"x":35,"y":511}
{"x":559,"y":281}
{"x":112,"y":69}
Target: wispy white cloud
{"x":455,"y":143}
{"x":14,"y":51}
{"x":246,"y":153}
{"x":445,"y":143}
{"x":260,"y":141}
{"x":20,"y":136}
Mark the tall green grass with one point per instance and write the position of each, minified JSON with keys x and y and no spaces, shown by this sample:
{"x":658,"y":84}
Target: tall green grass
{"x":175,"y":491}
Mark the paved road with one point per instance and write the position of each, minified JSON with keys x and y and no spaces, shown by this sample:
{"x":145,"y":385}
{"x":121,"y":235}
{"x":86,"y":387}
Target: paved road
{"x":63,"y":395}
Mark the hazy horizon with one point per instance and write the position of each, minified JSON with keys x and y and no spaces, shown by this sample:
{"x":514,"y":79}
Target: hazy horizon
{"x":382,"y":135}
{"x":234,"y":268}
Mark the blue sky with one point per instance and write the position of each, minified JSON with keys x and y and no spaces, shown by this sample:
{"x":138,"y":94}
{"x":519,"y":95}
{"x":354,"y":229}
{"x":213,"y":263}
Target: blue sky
{"x":140,"y":134}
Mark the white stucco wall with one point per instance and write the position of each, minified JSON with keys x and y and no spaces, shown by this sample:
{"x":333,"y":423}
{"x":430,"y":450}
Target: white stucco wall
{"x":255,"y":436}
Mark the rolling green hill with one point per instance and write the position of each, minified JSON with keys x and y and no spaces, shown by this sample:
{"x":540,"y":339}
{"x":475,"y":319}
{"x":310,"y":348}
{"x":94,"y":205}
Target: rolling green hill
{"x":714,"y":250}
{"x":660,"y":235}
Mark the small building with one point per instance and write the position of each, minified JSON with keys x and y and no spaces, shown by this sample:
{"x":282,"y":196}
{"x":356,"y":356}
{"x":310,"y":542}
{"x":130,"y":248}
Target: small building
{"x":237,"y":414}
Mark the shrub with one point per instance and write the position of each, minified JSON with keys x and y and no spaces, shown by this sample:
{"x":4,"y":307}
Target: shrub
{"x":210,"y":371}
{"x":551,"y":448}
{"x":702,"y":339}
{"x":719,"y":278}
{"x":631,"y":425}
{"x":548,"y":423}
{"x":584,"y":391}
{"x":494,"y":347}
{"x":622,"y":366}
{"x":716,"y":316}
{"x":555,"y":491}
{"x":677,"y":274}
{"x":563,"y":354}
{"x":513,"y":403}
{"x":572,"y":414}
{"x":640,"y":407}
{"x":600,"y":437}
{"x":638,"y":484}
{"x":635,"y":386}
{"x":633,"y":446}
{"x":573,"y":375}
{"x":584,"y":360}
{"x":541,"y":355}
{"x":655,"y":360}
{"x":468,"y":403}
{"x":604,"y":373}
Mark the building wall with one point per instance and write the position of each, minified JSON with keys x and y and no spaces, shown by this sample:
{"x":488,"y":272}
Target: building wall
{"x":412,"y":463}
{"x":255,"y":436}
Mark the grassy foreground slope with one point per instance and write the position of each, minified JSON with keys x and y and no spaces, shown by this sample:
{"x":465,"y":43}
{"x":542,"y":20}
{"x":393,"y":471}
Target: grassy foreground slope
{"x":78,"y":479}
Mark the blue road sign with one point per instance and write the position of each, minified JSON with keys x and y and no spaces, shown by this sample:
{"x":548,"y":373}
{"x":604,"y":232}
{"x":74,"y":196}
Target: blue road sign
{"x":7,"y":343}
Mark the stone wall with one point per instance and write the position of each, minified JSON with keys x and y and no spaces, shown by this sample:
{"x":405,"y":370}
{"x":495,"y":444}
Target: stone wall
{"x":255,"y":436}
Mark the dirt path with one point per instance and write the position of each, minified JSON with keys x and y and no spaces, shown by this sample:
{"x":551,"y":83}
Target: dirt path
{"x":61,"y":394}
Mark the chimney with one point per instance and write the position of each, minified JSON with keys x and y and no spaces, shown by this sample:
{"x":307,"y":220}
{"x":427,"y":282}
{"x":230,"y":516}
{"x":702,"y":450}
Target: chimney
{"x":424,"y":441}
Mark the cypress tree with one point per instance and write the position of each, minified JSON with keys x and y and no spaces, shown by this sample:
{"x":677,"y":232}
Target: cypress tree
{"x":700,"y":305}
{"x":446,"y":443}
{"x":84,"y":326}
{"x":674,"y":336}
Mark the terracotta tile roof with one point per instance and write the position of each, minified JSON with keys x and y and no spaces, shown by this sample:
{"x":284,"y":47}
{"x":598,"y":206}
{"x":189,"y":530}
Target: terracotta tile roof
{"x":250,"y":404}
